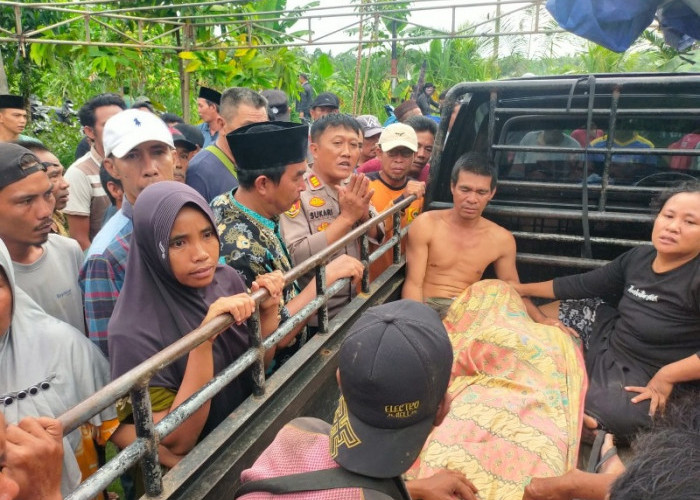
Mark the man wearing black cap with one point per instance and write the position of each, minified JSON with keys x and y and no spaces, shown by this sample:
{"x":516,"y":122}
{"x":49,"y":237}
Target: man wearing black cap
{"x":393,"y":371}
{"x":324,"y":104}
{"x":212,"y":171}
{"x":270,"y":181}
{"x":13,"y":117}
{"x":188,"y":141}
{"x":208,"y":108}
{"x":46,"y":265}
{"x":277,"y":105}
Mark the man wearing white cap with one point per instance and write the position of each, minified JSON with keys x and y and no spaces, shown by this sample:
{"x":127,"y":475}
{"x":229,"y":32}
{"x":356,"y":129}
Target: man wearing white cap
{"x":396,"y":150}
{"x":139,"y":151}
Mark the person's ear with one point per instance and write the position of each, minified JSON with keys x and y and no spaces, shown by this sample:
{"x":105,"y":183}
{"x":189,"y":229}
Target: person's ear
{"x":89,"y":132}
{"x":313,"y":147}
{"x":443,"y":410}
{"x":108,"y":164}
{"x":262,"y":184}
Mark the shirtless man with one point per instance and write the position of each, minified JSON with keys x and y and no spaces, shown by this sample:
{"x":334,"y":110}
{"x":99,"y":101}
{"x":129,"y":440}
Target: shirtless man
{"x":448,"y":250}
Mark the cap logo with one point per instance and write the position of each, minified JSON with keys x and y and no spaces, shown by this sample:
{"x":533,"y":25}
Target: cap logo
{"x":137,"y":122}
{"x":400,"y":134}
{"x":317,"y":202}
{"x":293,"y":210}
{"x":405,"y":410}
{"x":342,"y":433}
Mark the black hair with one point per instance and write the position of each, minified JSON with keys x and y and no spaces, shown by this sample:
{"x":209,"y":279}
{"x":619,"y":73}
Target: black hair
{"x":476,"y":163}
{"x":666,"y":465}
{"x":685,"y":187}
{"x":33,"y":146}
{"x":86,"y":114}
{"x":422,"y":124}
{"x":334,"y":120}
{"x":246,"y":178}
{"x":106,"y":177}
{"x":171,"y":118}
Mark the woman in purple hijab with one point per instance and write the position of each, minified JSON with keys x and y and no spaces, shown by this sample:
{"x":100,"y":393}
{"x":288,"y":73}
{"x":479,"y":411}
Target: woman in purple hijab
{"x":173,"y":284}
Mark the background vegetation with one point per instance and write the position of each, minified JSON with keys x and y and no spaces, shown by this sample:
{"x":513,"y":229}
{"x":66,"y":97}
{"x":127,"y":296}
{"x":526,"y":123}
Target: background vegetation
{"x":56,"y":73}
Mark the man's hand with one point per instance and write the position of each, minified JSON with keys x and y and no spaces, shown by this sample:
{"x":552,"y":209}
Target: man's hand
{"x":354,"y":198}
{"x":445,"y":485}
{"x":548,"y":488}
{"x":344,"y":266}
{"x":35,"y":457}
{"x":415,"y":188}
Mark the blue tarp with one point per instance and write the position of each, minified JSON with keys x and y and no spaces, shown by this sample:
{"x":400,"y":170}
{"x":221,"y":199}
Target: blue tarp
{"x":616,"y":24}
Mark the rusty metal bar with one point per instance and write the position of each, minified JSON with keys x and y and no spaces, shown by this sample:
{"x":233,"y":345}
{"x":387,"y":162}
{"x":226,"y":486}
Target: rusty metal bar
{"x":364,"y":258}
{"x":255,"y":339}
{"x":320,"y":290}
{"x":109,"y":394}
{"x":567,"y":238}
{"x":605,"y":181}
{"x":557,"y":261}
{"x":145,"y":431}
{"x":396,"y":221}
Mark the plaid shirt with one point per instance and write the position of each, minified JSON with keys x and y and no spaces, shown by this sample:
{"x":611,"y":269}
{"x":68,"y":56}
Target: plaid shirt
{"x":102,"y":275}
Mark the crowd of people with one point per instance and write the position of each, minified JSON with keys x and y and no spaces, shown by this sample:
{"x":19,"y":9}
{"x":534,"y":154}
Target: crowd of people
{"x":465,"y":385}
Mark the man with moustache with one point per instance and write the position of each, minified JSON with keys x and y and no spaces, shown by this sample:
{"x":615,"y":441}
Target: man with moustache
{"x":26,"y":206}
{"x":449,"y":250}
{"x":55,"y":171}
{"x":212,"y":171}
{"x":248,"y":217}
{"x":208,"y":103}
{"x":334,"y":200}
{"x":396,"y":152}
{"x":139,"y":151}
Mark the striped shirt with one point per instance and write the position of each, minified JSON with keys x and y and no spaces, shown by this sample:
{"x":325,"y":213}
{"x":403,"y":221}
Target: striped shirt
{"x":102,"y":275}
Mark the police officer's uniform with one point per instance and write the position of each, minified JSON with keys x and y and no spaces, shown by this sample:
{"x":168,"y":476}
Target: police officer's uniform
{"x":303,"y":225}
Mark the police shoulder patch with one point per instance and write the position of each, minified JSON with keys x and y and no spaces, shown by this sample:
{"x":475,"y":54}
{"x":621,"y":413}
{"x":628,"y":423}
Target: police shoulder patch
{"x":314,"y":181}
{"x":294,"y":210}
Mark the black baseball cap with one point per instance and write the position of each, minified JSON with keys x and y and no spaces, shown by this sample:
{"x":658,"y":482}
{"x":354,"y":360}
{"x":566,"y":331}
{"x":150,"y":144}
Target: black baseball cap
{"x":394,"y":368}
{"x":16,"y":163}
{"x":326,"y":100}
{"x":190,"y":136}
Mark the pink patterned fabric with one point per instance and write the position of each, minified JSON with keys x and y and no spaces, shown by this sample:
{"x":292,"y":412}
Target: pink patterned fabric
{"x":301,"y":446}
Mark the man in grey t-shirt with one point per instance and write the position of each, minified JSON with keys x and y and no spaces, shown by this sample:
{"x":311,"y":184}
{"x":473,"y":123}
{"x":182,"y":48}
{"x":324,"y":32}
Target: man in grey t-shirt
{"x":46,"y":266}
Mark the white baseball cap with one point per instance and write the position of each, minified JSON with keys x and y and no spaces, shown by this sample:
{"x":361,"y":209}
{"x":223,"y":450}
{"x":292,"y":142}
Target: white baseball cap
{"x":127,"y":129}
{"x":398,"y":134}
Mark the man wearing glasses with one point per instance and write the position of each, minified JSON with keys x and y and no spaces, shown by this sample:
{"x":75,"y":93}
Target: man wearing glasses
{"x":46,"y":265}
{"x":396,"y":151}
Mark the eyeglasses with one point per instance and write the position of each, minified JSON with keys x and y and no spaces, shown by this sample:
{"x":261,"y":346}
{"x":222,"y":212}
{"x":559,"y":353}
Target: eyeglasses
{"x":403,"y":153}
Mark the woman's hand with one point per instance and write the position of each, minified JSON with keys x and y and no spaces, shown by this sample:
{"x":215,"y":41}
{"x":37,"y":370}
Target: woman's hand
{"x":555,"y":322}
{"x":656,"y":391}
{"x":240,"y":306}
{"x":274,"y":283}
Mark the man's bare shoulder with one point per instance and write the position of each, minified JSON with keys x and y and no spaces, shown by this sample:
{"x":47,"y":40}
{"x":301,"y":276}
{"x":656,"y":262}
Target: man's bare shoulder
{"x":496,"y":231}
{"x":425,"y":222}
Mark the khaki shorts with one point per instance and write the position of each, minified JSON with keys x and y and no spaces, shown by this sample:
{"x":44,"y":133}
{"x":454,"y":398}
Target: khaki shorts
{"x":439,"y":304}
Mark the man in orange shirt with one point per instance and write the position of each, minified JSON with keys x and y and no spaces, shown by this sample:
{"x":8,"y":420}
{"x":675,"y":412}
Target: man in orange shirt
{"x":396,"y":150}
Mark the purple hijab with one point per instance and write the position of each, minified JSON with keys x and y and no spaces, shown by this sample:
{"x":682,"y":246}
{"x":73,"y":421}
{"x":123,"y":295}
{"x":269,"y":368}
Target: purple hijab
{"x":154,"y":309}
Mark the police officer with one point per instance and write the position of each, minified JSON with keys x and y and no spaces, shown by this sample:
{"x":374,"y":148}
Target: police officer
{"x":335,"y":200}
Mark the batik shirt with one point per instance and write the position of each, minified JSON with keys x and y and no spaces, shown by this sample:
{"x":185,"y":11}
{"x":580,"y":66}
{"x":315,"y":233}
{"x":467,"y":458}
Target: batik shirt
{"x":251,"y":243}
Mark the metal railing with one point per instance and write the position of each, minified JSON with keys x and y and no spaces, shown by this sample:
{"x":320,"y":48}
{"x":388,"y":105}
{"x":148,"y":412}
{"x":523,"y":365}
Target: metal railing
{"x":135,"y":381}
